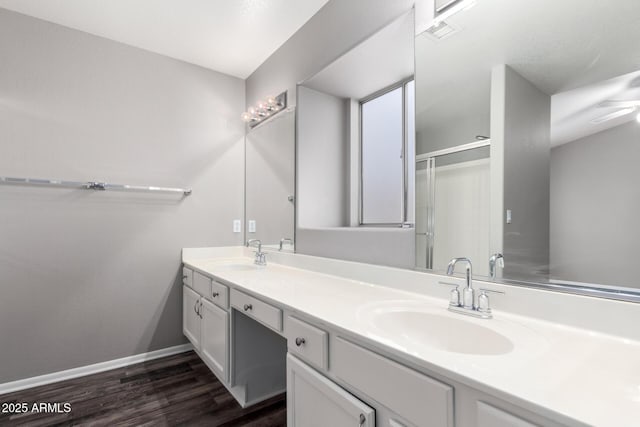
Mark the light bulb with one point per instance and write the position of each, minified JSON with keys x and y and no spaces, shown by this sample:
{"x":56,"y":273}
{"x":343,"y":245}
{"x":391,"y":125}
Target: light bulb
{"x":271,"y":101}
{"x":246,"y":117}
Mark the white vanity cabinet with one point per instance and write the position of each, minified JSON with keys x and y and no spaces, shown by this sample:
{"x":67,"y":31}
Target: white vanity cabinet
{"x":191,"y":321}
{"x":207,"y":327}
{"x":259,"y":347}
{"x":214,"y":342}
{"x":315,"y":401}
{"x":205,"y":322}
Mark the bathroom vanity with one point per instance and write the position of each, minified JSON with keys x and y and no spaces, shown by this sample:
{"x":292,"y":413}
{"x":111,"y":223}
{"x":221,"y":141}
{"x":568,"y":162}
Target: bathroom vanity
{"x":376,"y":346}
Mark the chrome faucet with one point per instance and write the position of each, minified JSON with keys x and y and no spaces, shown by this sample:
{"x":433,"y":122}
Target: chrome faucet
{"x":496,"y":260}
{"x":261,"y":257}
{"x":285,"y":239}
{"x":468,"y":294}
{"x":467,"y":304}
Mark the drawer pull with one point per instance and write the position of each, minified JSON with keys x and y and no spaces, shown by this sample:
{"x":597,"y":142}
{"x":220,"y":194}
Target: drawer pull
{"x":300,"y":341}
{"x":184,"y":277}
{"x":248,"y":307}
{"x":362,"y":420}
{"x":215,"y":294}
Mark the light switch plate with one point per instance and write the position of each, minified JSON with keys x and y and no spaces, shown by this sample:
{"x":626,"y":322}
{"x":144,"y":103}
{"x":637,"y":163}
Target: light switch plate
{"x":252,"y":226}
{"x":237,"y":226}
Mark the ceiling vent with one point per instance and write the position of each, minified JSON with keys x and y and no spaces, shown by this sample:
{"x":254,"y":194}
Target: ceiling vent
{"x":440,"y":30}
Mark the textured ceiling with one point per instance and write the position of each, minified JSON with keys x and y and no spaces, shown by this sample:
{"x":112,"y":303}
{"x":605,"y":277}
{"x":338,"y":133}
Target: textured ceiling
{"x":230,"y":36}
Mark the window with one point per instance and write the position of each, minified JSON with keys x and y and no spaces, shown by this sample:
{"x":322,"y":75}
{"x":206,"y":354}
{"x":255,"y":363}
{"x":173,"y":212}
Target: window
{"x":388,"y":156}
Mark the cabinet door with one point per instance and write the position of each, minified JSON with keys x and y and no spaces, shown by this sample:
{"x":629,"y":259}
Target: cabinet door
{"x":214,"y":345}
{"x":190,"y":317}
{"x":315,"y":401}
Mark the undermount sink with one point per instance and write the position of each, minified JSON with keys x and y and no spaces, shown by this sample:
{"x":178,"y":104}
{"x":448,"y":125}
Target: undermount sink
{"x":443,"y":332}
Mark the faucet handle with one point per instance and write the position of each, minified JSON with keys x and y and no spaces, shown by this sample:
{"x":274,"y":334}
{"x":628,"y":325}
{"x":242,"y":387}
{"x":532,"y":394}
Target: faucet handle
{"x":454,"y":295}
{"x":483,"y":300}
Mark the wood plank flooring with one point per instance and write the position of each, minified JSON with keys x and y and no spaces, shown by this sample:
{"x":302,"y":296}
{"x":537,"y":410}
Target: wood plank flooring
{"x":173,"y":391}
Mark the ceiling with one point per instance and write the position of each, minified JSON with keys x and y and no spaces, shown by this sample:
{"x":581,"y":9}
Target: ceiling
{"x":230,"y":36}
{"x":558,"y":46}
{"x":383,"y":59}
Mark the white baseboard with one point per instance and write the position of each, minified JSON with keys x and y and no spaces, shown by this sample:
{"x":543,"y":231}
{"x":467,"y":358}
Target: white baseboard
{"x":91,"y":369}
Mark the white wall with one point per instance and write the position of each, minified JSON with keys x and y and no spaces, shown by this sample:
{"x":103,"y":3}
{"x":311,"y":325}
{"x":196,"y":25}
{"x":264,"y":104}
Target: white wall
{"x":323,"y":160}
{"x":595,"y":201}
{"x":520,"y":122}
{"x":92,"y":276}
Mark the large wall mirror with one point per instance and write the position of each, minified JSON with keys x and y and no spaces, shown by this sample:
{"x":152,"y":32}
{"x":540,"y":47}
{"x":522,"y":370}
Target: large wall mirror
{"x":528,"y":139}
{"x":270,"y":181}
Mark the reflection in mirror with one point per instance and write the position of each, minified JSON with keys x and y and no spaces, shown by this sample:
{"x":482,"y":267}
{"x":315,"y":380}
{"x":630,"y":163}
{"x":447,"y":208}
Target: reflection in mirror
{"x":270,"y":180}
{"x":355,"y":145}
{"x":556,"y":88}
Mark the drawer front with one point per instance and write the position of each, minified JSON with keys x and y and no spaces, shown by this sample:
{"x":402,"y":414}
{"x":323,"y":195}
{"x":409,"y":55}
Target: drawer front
{"x":420,"y":399}
{"x":261,"y":311}
{"x":202,"y":284}
{"x":219,"y":294}
{"x":307,"y":342}
{"x":187,"y":276}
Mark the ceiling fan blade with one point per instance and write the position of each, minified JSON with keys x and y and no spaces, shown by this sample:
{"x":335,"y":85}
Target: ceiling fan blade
{"x":619,"y":104}
{"x":613,"y":115}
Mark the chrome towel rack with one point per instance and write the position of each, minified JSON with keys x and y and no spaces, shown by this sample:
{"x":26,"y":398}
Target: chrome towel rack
{"x":91,"y":185}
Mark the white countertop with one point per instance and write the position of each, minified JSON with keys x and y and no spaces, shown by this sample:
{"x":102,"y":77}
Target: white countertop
{"x":589,"y":377}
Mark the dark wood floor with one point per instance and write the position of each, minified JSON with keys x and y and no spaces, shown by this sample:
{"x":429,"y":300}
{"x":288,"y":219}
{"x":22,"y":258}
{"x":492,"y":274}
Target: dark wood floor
{"x":173,"y":391}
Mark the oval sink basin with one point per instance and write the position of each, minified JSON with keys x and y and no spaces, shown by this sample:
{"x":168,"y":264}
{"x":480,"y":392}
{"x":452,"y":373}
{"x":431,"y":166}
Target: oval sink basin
{"x":441,"y":332}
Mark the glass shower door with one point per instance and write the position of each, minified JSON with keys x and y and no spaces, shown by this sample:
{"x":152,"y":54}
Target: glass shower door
{"x":453,"y":208}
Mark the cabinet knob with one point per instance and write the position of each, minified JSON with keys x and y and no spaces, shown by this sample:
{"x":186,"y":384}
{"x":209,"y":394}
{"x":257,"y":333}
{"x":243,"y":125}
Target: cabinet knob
{"x":248,"y":307}
{"x":300,"y":341}
{"x":215,"y":294}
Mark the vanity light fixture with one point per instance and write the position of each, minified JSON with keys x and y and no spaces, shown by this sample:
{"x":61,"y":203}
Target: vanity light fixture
{"x":264,"y":110}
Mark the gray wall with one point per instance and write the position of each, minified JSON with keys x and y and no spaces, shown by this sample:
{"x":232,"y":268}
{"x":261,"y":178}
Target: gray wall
{"x":595,"y":200}
{"x":88,"y":277}
{"x":520,"y":128}
{"x":323,"y":160}
{"x":335,"y":29}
